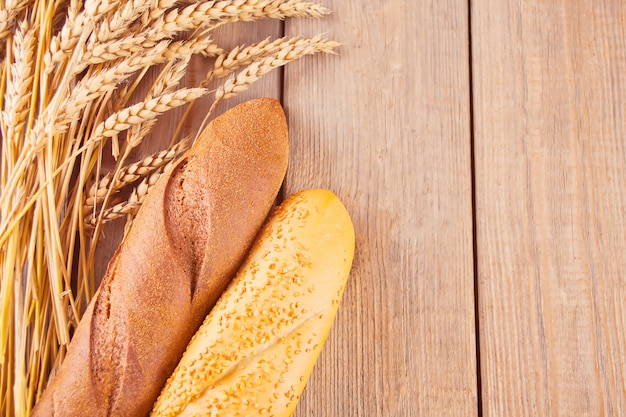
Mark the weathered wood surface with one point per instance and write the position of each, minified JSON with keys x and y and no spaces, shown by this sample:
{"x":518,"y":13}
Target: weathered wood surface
{"x":386,"y":125}
{"x":550,"y":110}
{"x":487,"y":183}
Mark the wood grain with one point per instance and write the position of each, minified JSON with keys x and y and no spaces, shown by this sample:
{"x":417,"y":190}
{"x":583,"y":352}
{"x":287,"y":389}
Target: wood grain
{"x":550,"y":157}
{"x":386,"y":126}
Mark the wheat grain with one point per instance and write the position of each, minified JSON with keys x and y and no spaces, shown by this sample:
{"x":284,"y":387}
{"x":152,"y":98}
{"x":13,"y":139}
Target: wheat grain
{"x":18,"y":84}
{"x":205,"y":14}
{"x":158,"y":9}
{"x":119,"y":23}
{"x":240,"y":56}
{"x":137,"y":197}
{"x":115,"y":49}
{"x":153,"y":48}
{"x":144,"y":111}
{"x":133,"y":172}
{"x":9,"y":15}
{"x":291,"y":51}
{"x":166,"y":83}
{"x":95,"y":9}
{"x":5,"y":24}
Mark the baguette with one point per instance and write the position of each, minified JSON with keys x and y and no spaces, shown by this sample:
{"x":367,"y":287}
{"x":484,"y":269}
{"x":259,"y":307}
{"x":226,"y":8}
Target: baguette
{"x":185,"y":245}
{"x":254,"y":353}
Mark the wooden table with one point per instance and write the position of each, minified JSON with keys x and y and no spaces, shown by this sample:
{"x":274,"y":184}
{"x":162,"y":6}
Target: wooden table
{"x":481,"y":150}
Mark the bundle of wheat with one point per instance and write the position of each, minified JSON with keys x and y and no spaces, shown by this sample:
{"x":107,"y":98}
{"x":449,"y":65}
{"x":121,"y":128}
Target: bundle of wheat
{"x":70,"y":72}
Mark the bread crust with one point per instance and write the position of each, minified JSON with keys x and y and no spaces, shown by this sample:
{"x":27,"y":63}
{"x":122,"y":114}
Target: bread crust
{"x":185,"y":245}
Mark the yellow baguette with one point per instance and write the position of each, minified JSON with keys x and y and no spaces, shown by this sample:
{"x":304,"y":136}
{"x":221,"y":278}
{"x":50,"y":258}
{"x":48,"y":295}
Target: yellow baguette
{"x":256,"y":349}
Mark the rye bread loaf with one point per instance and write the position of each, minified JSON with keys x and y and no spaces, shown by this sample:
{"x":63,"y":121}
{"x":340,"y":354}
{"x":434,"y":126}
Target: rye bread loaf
{"x":185,"y":245}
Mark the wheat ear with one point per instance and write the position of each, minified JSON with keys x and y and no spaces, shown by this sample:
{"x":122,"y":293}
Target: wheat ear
{"x":18,"y":84}
{"x":206,"y":14}
{"x":137,"y":197}
{"x":118,"y":24}
{"x":105,"y":46}
{"x":77,"y":23}
{"x":133,"y":172}
{"x":142,"y":112}
{"x":240,"y":56}
{"x":279,"y":9}
{"x":138,"y":114}
{"x":292,"y":51}
{"x":9,"y":13}
{"x":167,"y":82}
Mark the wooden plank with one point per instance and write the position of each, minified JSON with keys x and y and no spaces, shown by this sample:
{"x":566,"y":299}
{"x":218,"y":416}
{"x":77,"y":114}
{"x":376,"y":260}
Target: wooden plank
{"x":386,"y":126}
{"x":550,"y":112}
{"x":227,"y":36}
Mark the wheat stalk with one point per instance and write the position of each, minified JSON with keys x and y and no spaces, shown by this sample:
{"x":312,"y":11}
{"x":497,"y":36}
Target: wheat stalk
{"x":144,"y":111}
{"x":9,"y":14}
{"x":229,"y":61}
{"x":70,"y":77}
{"x":210,"y":13}
{"x":120,"y":21}
{"x":15,"y":110}
{"x":167,"y":81}
{"x":290,"y":52}
{"x":138,"y":114}
{"x":298,"y":49}
{"x":131,"y":173}
{"x":137,"y":197}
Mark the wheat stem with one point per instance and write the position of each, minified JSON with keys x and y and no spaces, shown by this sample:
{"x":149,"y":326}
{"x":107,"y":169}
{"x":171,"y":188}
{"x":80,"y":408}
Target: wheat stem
{"x":71,"y":73}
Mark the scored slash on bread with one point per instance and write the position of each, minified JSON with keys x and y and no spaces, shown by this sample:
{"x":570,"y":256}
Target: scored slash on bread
{"x":186,"y":243}
{"x":254,"y":353}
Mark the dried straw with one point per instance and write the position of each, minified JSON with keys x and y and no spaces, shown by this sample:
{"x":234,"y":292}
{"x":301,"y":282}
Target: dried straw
{"x":70,"y":73}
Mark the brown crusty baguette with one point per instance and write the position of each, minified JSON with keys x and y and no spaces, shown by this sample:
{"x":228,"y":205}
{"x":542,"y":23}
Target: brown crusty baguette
{"x":254,"y":353}
{"x":185,"y":245}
